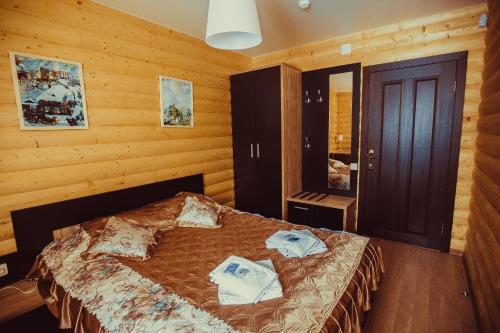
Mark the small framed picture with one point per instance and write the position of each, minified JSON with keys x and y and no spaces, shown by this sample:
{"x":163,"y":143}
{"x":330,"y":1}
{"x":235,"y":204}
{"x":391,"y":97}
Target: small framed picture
{"x":176,"y":102}
{"x":49,"y":92}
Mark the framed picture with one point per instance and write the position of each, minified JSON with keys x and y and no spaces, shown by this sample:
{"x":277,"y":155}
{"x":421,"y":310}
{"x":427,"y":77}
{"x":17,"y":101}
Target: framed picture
{"x":49,"y":92}
{"x":176,"y":102}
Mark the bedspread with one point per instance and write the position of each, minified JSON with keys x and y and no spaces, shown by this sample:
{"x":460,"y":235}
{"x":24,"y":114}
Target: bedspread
{"x":327,"y":292}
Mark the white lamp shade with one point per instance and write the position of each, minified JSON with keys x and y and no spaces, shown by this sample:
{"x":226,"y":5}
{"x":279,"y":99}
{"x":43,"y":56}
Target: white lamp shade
{"x":233,"y":24}
{"x":340,"y":138}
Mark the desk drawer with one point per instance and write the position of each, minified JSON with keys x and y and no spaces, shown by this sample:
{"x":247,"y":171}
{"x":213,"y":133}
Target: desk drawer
{"x":299,"y":213}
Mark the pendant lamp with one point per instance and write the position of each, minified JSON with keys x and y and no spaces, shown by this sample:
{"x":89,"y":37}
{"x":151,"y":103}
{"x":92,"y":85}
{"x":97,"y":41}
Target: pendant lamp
{"x":233,"y":24}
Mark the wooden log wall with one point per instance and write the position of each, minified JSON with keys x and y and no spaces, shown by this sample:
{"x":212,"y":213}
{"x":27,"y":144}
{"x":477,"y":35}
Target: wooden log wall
{"x":447,"y":32}
{"x":122,"y":57}
{"x":482,"y":250}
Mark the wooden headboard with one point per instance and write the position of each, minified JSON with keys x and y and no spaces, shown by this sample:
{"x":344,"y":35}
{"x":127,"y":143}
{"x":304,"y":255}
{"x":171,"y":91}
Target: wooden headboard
{"x":33,"y":226}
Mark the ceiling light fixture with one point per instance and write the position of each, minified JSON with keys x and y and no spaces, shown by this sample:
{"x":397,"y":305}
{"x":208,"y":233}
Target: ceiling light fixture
{"x":233,"y":24}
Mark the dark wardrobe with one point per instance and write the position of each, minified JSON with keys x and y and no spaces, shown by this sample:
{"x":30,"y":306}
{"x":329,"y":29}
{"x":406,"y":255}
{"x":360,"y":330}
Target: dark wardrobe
{"x":266,"y":114}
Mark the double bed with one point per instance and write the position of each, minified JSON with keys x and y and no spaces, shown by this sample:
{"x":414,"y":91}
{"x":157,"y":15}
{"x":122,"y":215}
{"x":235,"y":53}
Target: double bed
{"x":325,"y":292}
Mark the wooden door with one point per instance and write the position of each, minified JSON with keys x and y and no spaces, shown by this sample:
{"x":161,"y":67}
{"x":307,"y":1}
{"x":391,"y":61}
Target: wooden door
{"x":244,"y":140}
{"x":267,"y":116}
{"x":412,"y":117}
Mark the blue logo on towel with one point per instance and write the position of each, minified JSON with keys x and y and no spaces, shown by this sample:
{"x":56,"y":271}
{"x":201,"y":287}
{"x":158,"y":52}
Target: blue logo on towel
{"x":292,"y":238}
{"x":231,"y":268}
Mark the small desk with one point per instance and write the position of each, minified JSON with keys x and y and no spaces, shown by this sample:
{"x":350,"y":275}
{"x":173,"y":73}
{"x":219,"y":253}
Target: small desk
{"x":308,"y":207}
{"x":14,"y":303}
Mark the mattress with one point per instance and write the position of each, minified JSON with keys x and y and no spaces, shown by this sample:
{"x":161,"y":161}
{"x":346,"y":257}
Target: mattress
{"x":326,"y":292}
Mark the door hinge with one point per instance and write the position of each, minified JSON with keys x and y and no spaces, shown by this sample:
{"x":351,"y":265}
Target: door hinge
{"x":442,"y":229}
{"x":455,"y":86}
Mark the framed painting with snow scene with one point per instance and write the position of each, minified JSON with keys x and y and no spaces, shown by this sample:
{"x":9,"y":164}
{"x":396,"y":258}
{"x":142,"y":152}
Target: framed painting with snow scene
{"x":176,"y":102}
{"x":49,"y":92}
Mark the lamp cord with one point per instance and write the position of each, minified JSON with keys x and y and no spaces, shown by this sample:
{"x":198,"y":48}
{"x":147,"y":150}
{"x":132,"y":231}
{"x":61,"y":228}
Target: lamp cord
{"x":23,"y":291}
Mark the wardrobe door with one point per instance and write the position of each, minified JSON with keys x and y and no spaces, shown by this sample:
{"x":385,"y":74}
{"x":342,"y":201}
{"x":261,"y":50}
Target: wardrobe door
{"x":267,"y":113}
{"x":244,"y":142}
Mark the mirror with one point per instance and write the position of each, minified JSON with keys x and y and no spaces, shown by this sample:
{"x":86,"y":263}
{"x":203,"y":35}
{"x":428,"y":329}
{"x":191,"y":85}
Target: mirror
{"x":340,"y":131}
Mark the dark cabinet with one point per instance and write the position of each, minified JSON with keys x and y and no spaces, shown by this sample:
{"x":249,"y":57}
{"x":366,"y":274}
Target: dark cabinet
{"x":260,"y":157}
{"x":315,"y":216}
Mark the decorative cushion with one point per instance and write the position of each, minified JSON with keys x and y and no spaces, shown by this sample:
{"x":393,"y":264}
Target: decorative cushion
{"x":199,"y":212}
{"x":124,"y":238}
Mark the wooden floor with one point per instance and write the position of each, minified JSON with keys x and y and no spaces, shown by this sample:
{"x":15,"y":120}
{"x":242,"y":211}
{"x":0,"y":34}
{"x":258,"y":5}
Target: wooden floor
{"x":421,"y":293}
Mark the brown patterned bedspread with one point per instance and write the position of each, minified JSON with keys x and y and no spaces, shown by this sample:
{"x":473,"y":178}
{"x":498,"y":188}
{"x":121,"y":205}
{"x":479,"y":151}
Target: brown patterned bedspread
{"x":185,"y":257}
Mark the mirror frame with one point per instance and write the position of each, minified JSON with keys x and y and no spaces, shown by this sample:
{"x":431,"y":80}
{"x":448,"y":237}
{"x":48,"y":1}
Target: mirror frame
{"x":315,"y":129}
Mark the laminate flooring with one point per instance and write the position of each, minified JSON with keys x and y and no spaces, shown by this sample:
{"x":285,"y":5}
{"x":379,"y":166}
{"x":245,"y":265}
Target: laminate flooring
{"x":421,"y":292}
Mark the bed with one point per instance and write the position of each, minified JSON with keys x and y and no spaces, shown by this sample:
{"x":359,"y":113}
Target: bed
{"x":327,"y":292}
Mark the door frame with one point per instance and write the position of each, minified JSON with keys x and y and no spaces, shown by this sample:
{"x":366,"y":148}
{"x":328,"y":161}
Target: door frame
{"x":461,"y":60}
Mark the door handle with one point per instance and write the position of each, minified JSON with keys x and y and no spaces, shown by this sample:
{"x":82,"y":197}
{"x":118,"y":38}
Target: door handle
{"x":258,"y":151}
{"x":251,"y":150}
{"x":301,"y":208}
{"x":308,"y":144}
{"x":371,"y":159}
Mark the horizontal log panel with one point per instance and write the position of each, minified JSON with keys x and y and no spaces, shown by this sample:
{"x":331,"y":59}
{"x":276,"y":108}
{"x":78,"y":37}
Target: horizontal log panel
{"x":31,"y":180}
{"x":66,"y":192}
{"x":219,"y":188}
{"x":128,"y":117}
{"x":226,"y":198}
{"x":457,"y":245}
{"x":488,"y":186}
{"x":489,"y":144}
{"x":230,"y":203}
{"x":487,"y":210}
{"x":489,"y":165}
{"x":492,"y":66}
{"x":218,"y":177}
{"x":490,"y":84}
{"x":114,"y":99}
{"x":12,"y":138}
{"x":40,"y":158}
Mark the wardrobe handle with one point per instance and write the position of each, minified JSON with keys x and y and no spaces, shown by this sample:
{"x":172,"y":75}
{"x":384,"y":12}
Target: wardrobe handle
{"x":258,"y":151}
{"x":302,"y":208}
{"x":251,"y":150}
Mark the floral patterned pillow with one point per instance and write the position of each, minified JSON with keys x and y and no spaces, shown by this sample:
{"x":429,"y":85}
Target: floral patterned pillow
{"x":199,"y":213}
{"x":124,"y":238}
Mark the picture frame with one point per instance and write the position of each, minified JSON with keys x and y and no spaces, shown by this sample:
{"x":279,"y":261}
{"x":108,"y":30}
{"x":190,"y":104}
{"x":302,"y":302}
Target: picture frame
{"x":50,"y":92}
{"x":176,"y":103}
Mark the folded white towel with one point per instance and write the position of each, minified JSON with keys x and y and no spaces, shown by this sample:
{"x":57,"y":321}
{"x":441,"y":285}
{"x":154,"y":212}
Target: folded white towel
{"x":296,"y":243}
{"x":244,"y":277}
{"x":228,"y":297}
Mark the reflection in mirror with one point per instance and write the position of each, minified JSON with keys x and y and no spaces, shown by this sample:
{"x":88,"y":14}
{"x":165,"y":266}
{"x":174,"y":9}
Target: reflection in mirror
{"x":339,"y":136}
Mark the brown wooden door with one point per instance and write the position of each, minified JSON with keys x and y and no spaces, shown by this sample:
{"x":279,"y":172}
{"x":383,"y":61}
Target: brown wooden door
{"x":411,"y":137}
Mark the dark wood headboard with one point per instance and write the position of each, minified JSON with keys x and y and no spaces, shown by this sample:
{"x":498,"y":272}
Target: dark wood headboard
{"x":33,"y":226}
